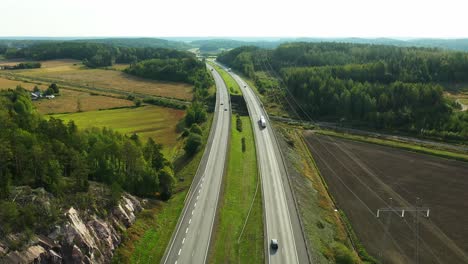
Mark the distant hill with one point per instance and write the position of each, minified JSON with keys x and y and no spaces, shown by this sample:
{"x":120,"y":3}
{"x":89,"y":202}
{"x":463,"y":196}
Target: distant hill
{"x":451,"y":44}
{"x":119,"y":42}
{"x":140,"y":43}
{"x":218,"y":45}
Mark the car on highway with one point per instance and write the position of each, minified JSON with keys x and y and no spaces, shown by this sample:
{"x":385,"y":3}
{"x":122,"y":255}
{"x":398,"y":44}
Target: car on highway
{"x":262,"y":121}
{"x":274,"y":244}
{"x":225,"y":109}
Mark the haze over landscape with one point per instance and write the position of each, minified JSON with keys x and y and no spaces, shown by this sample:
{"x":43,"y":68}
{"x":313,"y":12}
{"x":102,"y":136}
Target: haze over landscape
{"x":250,"y":131}
{"x":261,"y":18}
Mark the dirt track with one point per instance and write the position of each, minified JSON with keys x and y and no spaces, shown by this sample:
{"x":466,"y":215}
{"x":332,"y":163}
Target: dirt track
{"x":362,"y":177}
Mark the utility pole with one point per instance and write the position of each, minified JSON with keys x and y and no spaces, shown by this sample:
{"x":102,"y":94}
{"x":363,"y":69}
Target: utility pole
{"x":400,"y":211}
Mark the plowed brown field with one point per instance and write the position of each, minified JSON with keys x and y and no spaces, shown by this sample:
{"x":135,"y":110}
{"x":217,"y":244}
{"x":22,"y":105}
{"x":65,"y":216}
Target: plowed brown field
{"x":362,"y":178}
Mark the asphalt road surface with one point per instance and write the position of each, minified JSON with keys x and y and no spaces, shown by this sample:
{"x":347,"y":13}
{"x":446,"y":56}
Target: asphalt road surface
{"x":280,"y":215}
{"x":191,"y":240}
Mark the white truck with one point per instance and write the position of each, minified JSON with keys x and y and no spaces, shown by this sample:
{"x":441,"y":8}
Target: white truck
{"x":262,"y":121}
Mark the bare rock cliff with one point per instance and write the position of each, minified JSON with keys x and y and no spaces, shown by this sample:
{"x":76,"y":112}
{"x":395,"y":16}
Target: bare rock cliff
{"x":78,"y":240}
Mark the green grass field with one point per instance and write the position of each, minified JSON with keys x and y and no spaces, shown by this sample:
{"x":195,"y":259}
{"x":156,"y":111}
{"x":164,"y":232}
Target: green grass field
{"x":398,"y":144}
{"x":156,"y":122}
{"x":231,"y":84}
{"x":146,"y":240}
{"x":241,"y":187}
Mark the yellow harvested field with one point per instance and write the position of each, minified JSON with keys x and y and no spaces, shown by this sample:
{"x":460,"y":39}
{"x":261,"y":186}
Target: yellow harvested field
{"x":11,"y":62}
{"x":71,"y":101}
{"x":72,"y":72}
{"x":7,"y":84}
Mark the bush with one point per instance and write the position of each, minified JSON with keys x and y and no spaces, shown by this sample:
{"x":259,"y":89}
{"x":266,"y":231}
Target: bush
{"x":54,"y":87}
{"x":343,"y":255}
{"x":116,"y":192}
{"x":196,"y":129}
{"x":186,"y":133}
{"x":192,"y":144}
{"x":238,"y":123}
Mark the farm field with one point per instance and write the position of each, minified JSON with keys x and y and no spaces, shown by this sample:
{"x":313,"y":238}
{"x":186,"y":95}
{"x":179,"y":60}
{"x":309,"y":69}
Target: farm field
{"x":71,"y":101}
{"x":156,"y":122}
{"x":362,"y":177}
{"x":7,"y":84}
{"x":72,"y":73}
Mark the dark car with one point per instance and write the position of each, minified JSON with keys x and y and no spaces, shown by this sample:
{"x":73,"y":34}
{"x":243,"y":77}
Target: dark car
{"x":274,"y":244}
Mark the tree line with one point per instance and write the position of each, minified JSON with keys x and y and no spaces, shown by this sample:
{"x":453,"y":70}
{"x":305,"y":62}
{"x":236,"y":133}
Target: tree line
{"x":379,"y":86}
{"x":92,"y":54}
{"x":43,"y":152}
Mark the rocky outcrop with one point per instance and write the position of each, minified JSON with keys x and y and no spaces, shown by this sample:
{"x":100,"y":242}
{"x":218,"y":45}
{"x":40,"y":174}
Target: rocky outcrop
{"x":78,"y":240}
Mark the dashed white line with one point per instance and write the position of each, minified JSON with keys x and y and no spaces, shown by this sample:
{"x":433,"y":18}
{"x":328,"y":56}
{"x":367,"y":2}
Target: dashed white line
{"x":183,"y":241}
{"x":198,"y":196}
{"x":186,"y":230}
{"x":195,"y":205}
{"x":175,"y":262}
{"x":192,"y":212}
{"x":190,"y":221}
{"x":179,"y":251}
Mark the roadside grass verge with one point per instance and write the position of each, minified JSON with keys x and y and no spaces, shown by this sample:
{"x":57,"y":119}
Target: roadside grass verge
{"x":325,"y":231}
{"x":398,"y":144}
{"x":146,"y":240}
{"x":241,"y":204}
{"x":231,"y":84}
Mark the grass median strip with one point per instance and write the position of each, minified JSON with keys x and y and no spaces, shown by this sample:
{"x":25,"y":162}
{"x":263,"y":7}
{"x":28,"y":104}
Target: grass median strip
{"x":239,"y":232}
{"x":231,"y":84}
{"x":397,"y":144}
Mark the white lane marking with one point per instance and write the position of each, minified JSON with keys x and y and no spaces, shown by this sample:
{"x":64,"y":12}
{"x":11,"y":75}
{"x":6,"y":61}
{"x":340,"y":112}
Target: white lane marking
{"x":183,"y":241}
{"x":199,"y":190}
{"x":179,"y":251}
{"x":195,"y":205}
{"x":190,"y":221}
{"x":198,"y":196}
{"x":203,"y":179}
{"x":175,"y":262}
{"x":186,"y":230}
{"x":201,"y":185}
{"x":192,"y":212}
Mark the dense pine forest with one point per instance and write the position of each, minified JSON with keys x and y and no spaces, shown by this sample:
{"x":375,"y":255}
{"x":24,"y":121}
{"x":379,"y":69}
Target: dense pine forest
{"x":92,"y":54}
{"x":42,"y":152}
{"x":383,"y":87}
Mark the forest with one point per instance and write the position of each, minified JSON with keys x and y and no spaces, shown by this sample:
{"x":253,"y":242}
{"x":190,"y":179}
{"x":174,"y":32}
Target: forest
{"x":187,"y":70}
{"x":92,"y":54}
{"x":382,"y":87}
{"x":43,"y":152}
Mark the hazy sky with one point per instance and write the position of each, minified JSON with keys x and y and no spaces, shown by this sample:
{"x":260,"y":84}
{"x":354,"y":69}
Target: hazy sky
{"x":287,"y":18}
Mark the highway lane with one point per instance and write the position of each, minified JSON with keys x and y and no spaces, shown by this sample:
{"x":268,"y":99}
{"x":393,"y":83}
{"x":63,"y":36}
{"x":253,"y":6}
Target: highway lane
{"x":191,"y":239}
{"x":280,"y":215}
